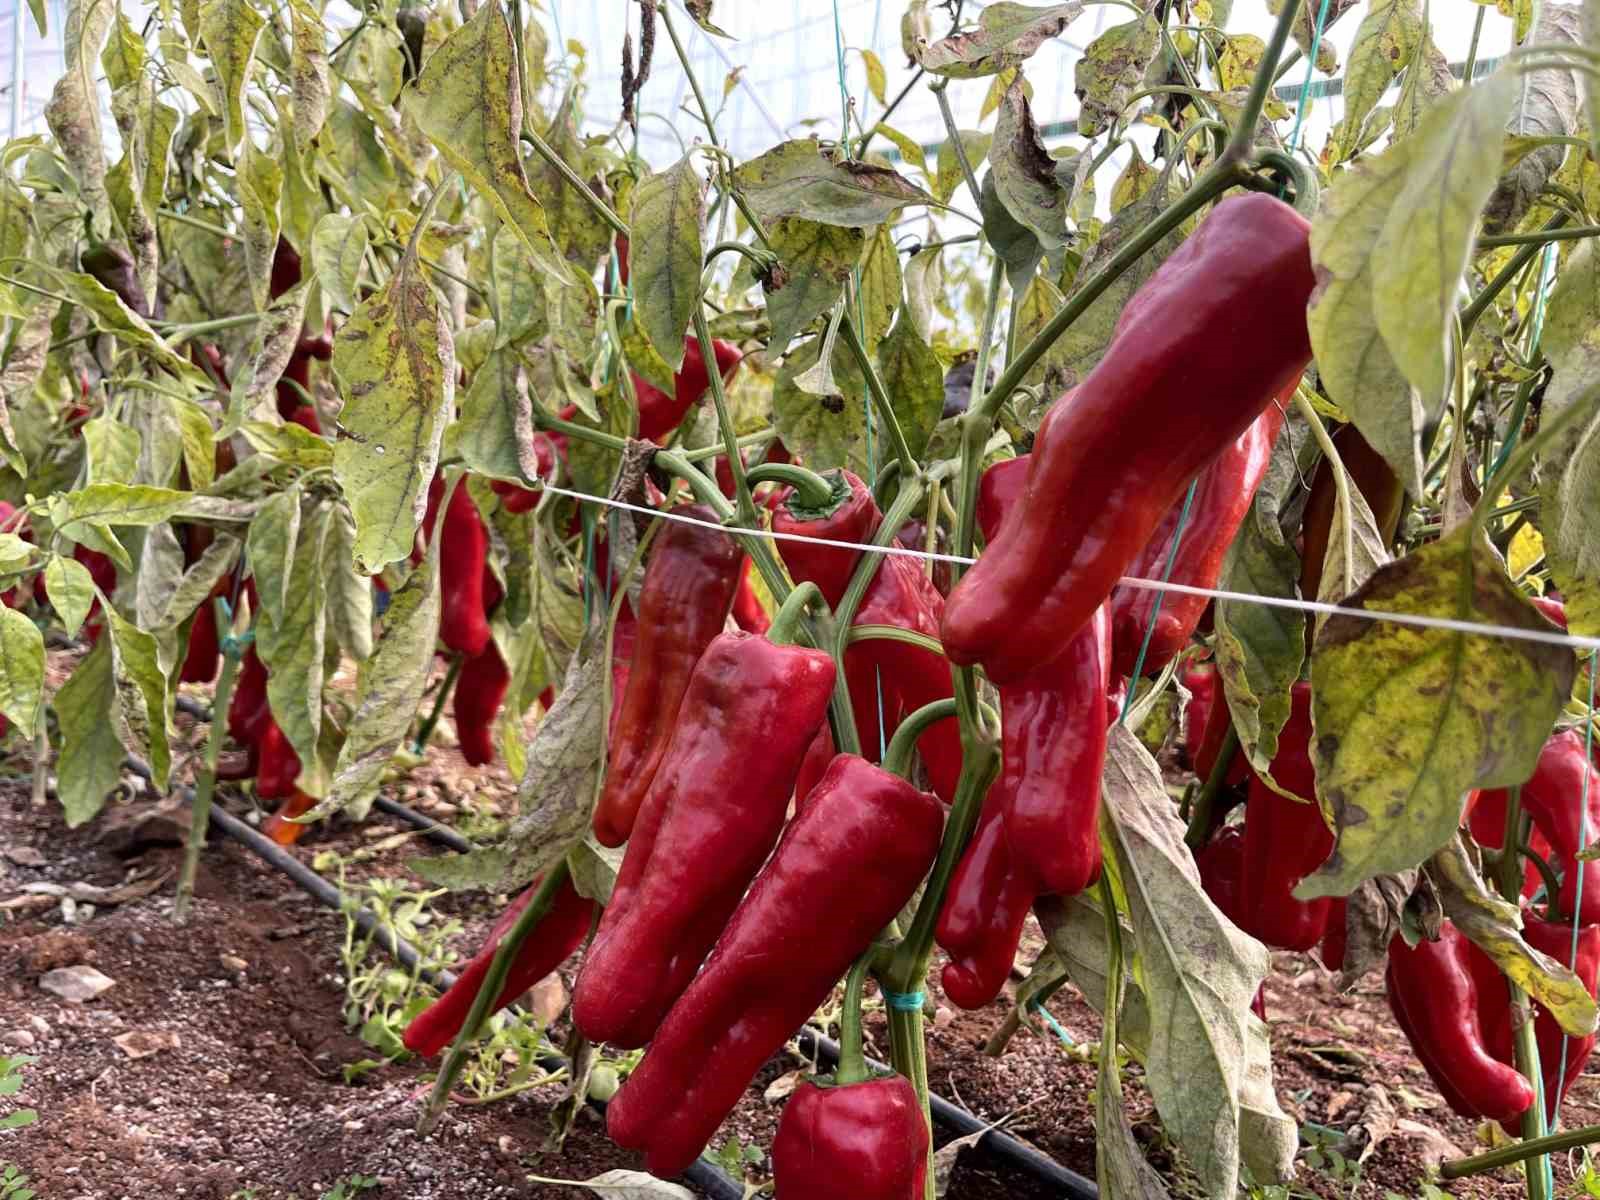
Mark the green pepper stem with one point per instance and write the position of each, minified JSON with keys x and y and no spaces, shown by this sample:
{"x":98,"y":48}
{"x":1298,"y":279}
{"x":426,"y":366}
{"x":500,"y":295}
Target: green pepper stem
{"x":1205,"y":803}
{"x":1505,"y":1156}
{"x":897,"y":760}
{"x":880,"y":400}
{"x":1244,"y":132}
{"x":852,"y":1066}
{"x":432,"y":721}
{"x":1539,"y":236}
{"x":555,"y":161}
{"x":787,"y":620}
{"x":892,"y":633}
{"x":812,"y":491}
{"x":743,"y":504}
{"x":494,"y":981}
{"x":206,"y":785}
{"x":1480,"y":303}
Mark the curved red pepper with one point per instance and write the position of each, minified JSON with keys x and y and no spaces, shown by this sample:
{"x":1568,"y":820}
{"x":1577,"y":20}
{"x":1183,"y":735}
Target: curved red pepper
{"x":279,"y":765}
{"x":200,"y":659}
{"x":1486,"y":818}
{"x":480,"y":689}
{"x":1221,"y":865}
{"x":248,"y":712}
{"x":688,"y":588}
{"x":1113,"y":456}
{"x":660,"y":413}
{"x":709,"y":820}
{"x":1222,"y":498}
{"x":463,"y":553}
{"x":790,"y":940}
{"x":748,"y":611}
{"x":559,"y":932}
{"x":871,"y":1133}
{"x":980,"y":924}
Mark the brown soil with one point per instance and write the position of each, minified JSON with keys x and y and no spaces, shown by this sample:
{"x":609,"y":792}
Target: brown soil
{"x":244,"y":1094}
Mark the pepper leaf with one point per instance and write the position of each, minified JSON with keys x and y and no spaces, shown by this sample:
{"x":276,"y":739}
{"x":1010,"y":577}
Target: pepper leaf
{"x":71,"y":590}
{"x":799,"y":179}
{"x":1493,"y":923}
{"x":91,"y":743}
{"x":1112,"y":67}
{"x":665,"y":255}
{"x":1547,"y":107}
{"x":1570,"y":474}
{"x":975,"y":143}
{"x":1024,"y":174}
{"x":914,"y":379}
{"x":21,"y":670}
{"x":230,"y":30}
{"x":142,"y":695}
{"x":1385,"y":44}
{"x":1409,"y":719}
{"x":818,"y":259}
{"x":349,"y":593}
{"x":1007,"y":35}
{"x":828,"y":430}
{"x":290,"y":637}
{"x":880,"y":289}
{"x":1355,"y":550}
{"x":338,"y":244}
{"x":395,"y":362}
{"x":73,"y":111}
{"x":494,"y":435}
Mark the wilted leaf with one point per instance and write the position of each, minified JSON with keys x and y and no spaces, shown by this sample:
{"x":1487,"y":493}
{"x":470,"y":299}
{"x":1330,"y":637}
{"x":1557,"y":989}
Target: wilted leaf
{"x":1024,"y":173}
{"x":290,"y":638}
{"x":73,"y":111}
{"x":1427,"y":79}
{"x":1547,"y":106}
{"x":91,"y":749}
{"x":1111,"y":69}
{"x":1409,"y":719}
{"x":829,"y":430}
{"x":1261,"y":648}
{"x":141,"y":687}
{"x":665,"y":255}
{"x":1372,"y":917}
{"x":798,"y":179}
{"x":253,"y":393}
{"x":1007,"y":35}
{"x":594,"y":868}
{"x":21,"y":670}
{"x":1305,"y":29}
{"x":260,"y":188}
{"x":396,"y":365}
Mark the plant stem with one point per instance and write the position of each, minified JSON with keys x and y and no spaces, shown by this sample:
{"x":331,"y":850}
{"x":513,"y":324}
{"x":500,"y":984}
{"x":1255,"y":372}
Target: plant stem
{"x":892,"y":633}
{"x":550,"y":423}
{"x":206,"y":785}
{"x":909,"y":1057}
{"x":493,"y":983}
{"x":428,"y":726}
{"x":547,"y":152}
{"x":782,"y":629}
{"x":1341,"y":478}
{"x":880,"y":400}
{"x":1539,"y":236}
{"x":938,"y":89}
{"x":1244,"y":132}
{"x":1200,"y":818}
{"x":194,"y":222}
{"x":182,"y":333}
{"x":897,"y":760}
{"x":1480,"y":302}
{"x":1472,"y":50}
{"x":1505,"y":1156}
{"x":811,"y":489}
{"x":852,"y":1066}
{"x":745,"y":505}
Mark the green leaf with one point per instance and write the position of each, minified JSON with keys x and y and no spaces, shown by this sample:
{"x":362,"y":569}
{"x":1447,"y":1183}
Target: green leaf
{"x":1024,"y":173}
{"x":141,"y":686}
{"x":1111,"y":69}
{"x":230,"y":30}
{"x":1197,"y":971}
{"x":947,"y":174}
{"x":260,"y":187}
{"x":1409,"y":719}
{"x":817,"y":259}
{"x":879,"y":288}
{"x":112,"y":450}
{"x":1356,"y":549}
{"x":270,"y":545}
{"x":1385,"y":44}
{"x":1007,"y":36}
{"x":556,"y":798}
{"x":1423,"y":249}
{"x":494,"y":435}
{"x":30,"y":346}
{"x":910,"y":149}
{"x":111,"y":315}
{"x":91,"y":749}
{"x":389,"y":688}
{"x":666,"y":254}
{"x":467,"y":103}
{"x":21,"y":670}
{"x":827,"y":431}
{"x":396,"y":367}
{"x":71,"y":589}
{"x":308,"y":72}
{"x":349,"y":593}
{"x":1013,"y":243}
{"x":289,"y":637}
{"x":1590,"y":27}
{"x":197,"y":583}
{"x":120,"y":504}
{"x":337,"y":247}
{"x":199,"y":441}
{"x":124,"y":54}
{"x":799,"y":179}
{"x":1260,"y":649}
{"x":914,"y":379}
{"x":1569,"y":515}
{"x":579,"y":231}
{"x":291,"y":444}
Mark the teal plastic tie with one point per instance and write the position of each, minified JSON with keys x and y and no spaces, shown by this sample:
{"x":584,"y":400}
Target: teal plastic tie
{"x":1049,"y":1019}
{"x":905,"y":1001}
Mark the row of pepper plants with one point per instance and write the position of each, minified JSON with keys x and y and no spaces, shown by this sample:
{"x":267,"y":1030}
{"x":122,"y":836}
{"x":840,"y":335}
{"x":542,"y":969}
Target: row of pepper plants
{"x":321,"y":377}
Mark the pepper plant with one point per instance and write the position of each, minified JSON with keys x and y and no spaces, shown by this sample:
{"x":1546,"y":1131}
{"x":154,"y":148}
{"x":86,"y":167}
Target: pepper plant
{"x":355,"y":348}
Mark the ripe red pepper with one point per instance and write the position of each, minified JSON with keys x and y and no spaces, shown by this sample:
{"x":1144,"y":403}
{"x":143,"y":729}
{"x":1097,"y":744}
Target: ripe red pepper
{"x":200,"y":660}
{"x":480,"y":689}
{"x":1486,"y":818}
{"x":901,"y":676}
{"x":1205,"y":729}
{"x":285,"y":268}
{"x":914,"y":536}
{"x":305,"y":416}
{"x":549,"y":454}
{"x":1494,"y":1012}
{"x":463,"y":553}
{"x":748,"y":611}
{"x":1222,"y":498}
{"x":1553,"y":798}
{"x":279,"y":765}
{"x":708,"y":821}
{"x":659,"y":413}
{"x":871,"y":1133}
{"x":248,"y":712}
{"x":1221,"y":865}
{"x":1372,"y":476}
{"x":688,"y":588}
{"x":279,"y":826}
{"x":1114,"y":455}
{"x":1284,"y":841}
{"x":818,"y":756}
{"x":1436,"y":1003}
{"x":1553,"y":609}
{"x":788,"y":943}
{"x":558,"y":933}
{"x":1054,"y":735}
{"x":985,"y":906}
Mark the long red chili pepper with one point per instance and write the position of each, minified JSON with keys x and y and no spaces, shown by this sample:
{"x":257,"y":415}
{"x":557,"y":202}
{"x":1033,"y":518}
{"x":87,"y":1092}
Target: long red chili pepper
{"x":710,"y":818}
{"x":788,"y":943}
{"x":463,"y":553}
{"x":661,"y":413}
{"x":1115,"y":455}
{"x":683,"y":604}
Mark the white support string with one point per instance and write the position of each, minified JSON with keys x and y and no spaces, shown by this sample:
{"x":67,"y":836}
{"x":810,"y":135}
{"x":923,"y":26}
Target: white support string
{"x":1552,"y":637}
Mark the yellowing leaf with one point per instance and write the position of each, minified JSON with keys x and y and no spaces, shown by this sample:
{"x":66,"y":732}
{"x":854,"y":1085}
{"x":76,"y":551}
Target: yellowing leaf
{"x":230,"y":30}
{"x":666,"y":254}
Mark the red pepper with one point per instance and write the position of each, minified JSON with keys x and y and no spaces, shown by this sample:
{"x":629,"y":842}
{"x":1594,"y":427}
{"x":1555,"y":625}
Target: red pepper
{"x":1436,"y":1003}
{"x":659,"y":413}
{"x":280,"y":827}
{"x":1221,"y":865}
{"x":1336,"y":937}
{"x":549,"y":453}
{"x":985,"y":906}
{"x":748,"y":611}
{"x":818,"y":755}
{"x":1201,"y":682}
{"x":285,"y":268}
{"x":1554,"y":798}
{"x":1113,"y":456}
{"x":558,"y":933}
{"x":1555,"y":1048}
{"x":708,"y":821}
{"x":1552,"y":608}
{"x":200,"y":660}
{"x":847,"y":864}
{"x":248,"y":712}
{"x":624,"y":640}
{"x":1209,"y":718}
{"x":1284,"y":841}
{"x":480,"y":689}
{"x":1222,"y":498}
{"x":683,"y":604}
{"x":463,"y":552}
{"x":1373,"y":477}
{"x":1486,"y":818}
{"x":914,"y":536}
{"x":279,"y":765}
{"x":871,"y":1133}
{"x":855,"y":520}
{"x":622,"y":260}
{"x":306,"y":417}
